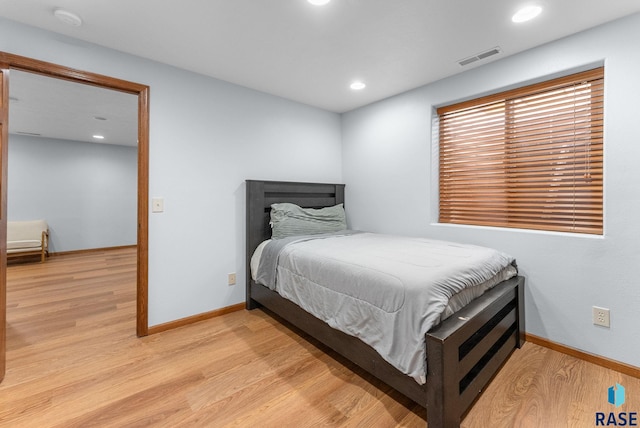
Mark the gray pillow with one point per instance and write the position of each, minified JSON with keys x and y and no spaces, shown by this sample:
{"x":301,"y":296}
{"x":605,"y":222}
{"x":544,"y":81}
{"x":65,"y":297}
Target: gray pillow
{"x":291,"y":220}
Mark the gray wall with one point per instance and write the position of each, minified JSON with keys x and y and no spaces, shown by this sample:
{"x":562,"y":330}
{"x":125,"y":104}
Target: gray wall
{"x":86,"y":192}
{"x":206,"y":137}
{"x":391,"y":175}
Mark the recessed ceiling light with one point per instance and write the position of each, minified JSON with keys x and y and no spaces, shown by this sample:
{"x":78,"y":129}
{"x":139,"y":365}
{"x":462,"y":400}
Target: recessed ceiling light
{"x":99,"y":137}
{"x":526,"y":13}
{"x":357,"y":86}
{"x":318,"y":2}
{"x":67,"y":17}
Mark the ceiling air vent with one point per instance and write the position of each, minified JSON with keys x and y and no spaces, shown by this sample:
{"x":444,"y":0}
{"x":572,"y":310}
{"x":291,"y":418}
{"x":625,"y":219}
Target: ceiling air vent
{"x":481,"y":55}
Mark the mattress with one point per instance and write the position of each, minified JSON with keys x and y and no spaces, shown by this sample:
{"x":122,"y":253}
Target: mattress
{"x":455,"y":303}
{"x":386,"y":290}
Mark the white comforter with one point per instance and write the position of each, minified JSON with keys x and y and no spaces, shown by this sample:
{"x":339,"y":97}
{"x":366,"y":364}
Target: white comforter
{"x":386,"y":290}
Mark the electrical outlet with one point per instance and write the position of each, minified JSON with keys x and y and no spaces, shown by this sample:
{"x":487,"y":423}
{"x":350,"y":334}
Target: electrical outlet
{"x":601,"y":316}
{"x":232,"y":279}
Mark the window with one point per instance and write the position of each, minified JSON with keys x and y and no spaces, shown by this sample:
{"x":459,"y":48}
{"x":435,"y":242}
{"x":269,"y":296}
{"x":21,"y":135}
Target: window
{"x":529,"y":158}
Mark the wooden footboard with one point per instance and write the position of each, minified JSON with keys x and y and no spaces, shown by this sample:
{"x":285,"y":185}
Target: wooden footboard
{"x":466,"y":350}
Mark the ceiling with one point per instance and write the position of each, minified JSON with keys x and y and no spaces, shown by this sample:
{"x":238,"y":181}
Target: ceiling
{"x":53,"y":108}
{"x":310,"y":54}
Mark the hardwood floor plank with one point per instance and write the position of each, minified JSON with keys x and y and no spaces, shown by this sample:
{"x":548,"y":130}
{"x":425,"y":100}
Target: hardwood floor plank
{"x":73,"y":360}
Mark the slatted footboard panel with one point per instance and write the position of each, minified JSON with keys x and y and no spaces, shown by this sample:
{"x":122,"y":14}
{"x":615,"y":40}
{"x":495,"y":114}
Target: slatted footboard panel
{"x":466,"y":350}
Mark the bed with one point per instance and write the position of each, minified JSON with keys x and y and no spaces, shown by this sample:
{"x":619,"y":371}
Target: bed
{"x":463,"y":352}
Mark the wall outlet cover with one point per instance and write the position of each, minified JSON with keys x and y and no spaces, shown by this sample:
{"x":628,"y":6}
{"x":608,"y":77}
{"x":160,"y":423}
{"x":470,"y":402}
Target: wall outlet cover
{"x":601,"y":316}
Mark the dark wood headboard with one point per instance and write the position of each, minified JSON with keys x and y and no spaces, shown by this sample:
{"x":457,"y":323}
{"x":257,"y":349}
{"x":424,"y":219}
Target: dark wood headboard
{"x":260,"y":196}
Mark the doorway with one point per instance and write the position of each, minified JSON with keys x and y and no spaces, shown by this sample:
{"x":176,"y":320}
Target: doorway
{"x":10,"y":62}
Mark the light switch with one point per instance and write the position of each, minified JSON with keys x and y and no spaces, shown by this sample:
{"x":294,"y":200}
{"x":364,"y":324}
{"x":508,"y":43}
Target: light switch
{"x":157,"y":205}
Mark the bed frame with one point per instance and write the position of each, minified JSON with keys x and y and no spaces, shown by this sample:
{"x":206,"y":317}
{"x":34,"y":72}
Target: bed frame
{"x":464,"y":352}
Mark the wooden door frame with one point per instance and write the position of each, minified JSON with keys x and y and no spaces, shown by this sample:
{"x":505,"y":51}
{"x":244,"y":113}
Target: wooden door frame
{"x":16,"y":62}
{"x":4,"y":138}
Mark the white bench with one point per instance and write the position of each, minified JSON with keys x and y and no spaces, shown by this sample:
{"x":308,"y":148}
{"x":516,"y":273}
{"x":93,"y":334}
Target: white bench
{"x":27,"y":238}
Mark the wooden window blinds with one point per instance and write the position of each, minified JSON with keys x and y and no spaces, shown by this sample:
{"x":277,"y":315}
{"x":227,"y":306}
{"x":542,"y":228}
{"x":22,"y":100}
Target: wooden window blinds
{"x":528,"y":158}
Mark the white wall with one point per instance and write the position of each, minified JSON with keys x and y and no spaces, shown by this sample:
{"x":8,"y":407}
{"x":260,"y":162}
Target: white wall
{"x":391,"y":187}
{"x":86,"y":192}
{"x":206,"y":137}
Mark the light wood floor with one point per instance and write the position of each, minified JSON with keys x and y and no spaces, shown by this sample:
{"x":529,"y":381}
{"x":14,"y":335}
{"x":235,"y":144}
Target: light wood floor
{"x":73,"y":360}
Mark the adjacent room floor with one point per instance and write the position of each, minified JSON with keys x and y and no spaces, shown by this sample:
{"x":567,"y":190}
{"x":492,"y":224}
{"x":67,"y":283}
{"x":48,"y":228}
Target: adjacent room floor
{"x":73,"y":360}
